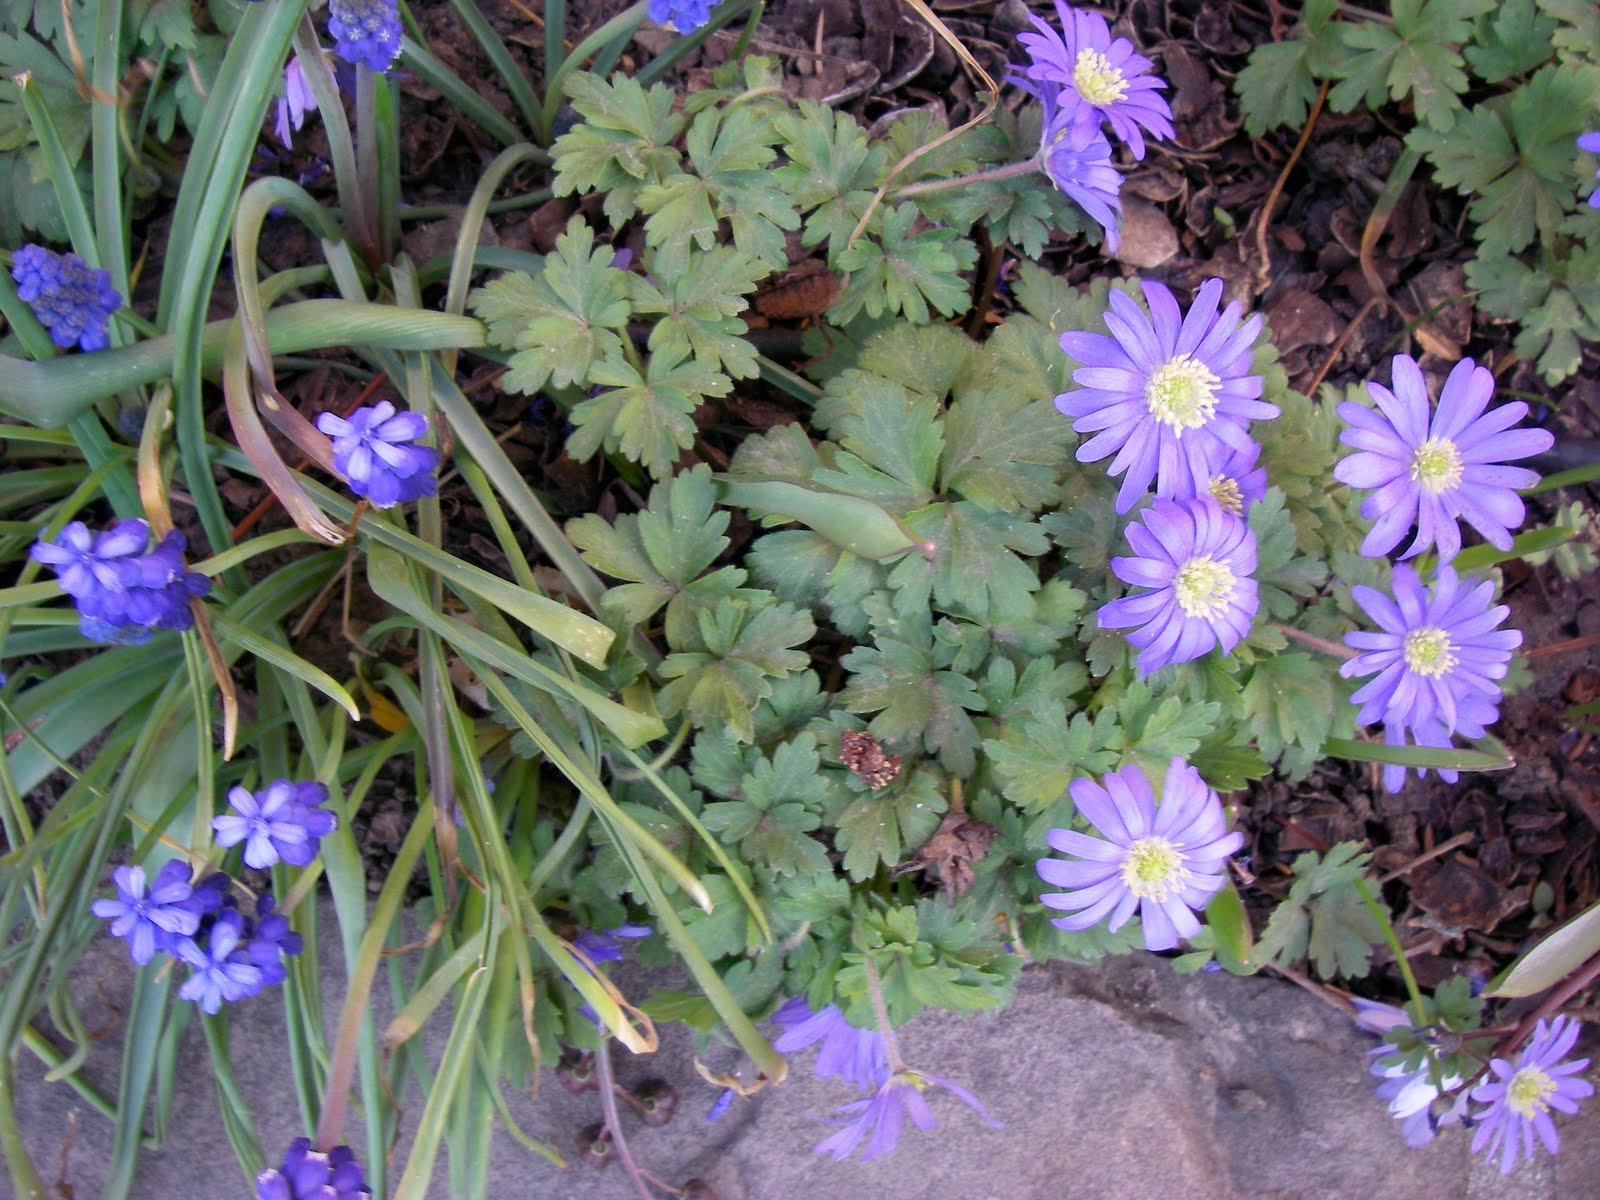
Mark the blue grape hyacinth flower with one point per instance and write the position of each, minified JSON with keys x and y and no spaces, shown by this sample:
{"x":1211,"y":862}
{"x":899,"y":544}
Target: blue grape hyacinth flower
{"x":73,"y":300}
{"x":307,"y":1174}
{"x":375,"y":450}
{"x":1087,"y":63}
{"x":683,"y":15}
{"x":1431,"y":471}
{"x":271,"y":941}
{"x":855,"y":1055}
{"x":1165,"y":860}
{"x":1520,"y":1096}
{"x":283,"y":821}
{"x":1167,"y":391}
{"x":366,"y":32}
{"x":150,"y":916}
{"x":224,"y":970}
{"x":880,"y":1118}
{"x":1438,"y":658}
{"x":121,"y":588}
{"x":1198,"y":562}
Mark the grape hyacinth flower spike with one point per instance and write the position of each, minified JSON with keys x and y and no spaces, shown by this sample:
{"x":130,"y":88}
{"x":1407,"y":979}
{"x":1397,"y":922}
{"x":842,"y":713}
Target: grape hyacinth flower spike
{"x":308,"y":1174}
{"x":153,"y":917}
{"x":366,"y":32}
{"x":73,"y":300}
{"x":1085,"y":61}
{"x":225,"y":970}
{"x":1520,"y":1096}
{"x":1198,"y":561}
{"x":283,"y":821}
{"x":1164,"y":860}
{"x":1591,"y":143}
{"x":883,"y":1115}
{"x":375,"y":450}
{"x":1429,"y":472}
{"x":122,"y":591}
{"x":855,"y":1055}
{"x":1439,"y":657}
{"x":1167,"y":392}
{"x":685,"y":16}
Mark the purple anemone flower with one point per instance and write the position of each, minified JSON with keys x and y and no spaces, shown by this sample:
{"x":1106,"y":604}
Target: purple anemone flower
{"x":224,"y":971}
{"x":153,"y":918}
{"x":1198,"y":561}
{"x":685,"y":16}
{"x":1519,"y":1097}
{"x":1408,"y":1090}
{"x":308,"y":1174}
{"x":1085,"y":61}
{"x":1166,"y":860}
{"x":1591,"y":143}
{"x":1431,"y":472}
{"x":883,"y":1114}
{"x":366,"y":32}
{"x":282,"y":821}
{"x":1232,"y":479}
{"x":1438,"y":659}
{"x":1166,"y":392}
{"x":374,"y":450}
{"x":73,"y":300}
{"x":1077,"y":158}
{"x":855,"y":1055}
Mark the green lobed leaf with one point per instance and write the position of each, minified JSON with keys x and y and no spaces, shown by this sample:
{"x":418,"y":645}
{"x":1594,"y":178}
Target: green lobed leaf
{"x":561,"y":322}
{"x":699,"y":309}
{"x":918,"y":704}
{"x":744,"y":649}
{"x":647,"y":419}
{"x":832,"y":171}
{"x":1040,"y":753}
{"x":622,"y":145}
{"x":894,"y":270}
{"x":1289,"y":700}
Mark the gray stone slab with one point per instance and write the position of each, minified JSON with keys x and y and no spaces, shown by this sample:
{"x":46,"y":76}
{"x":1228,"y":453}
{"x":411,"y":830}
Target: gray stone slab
{"x":1119,"y":1081}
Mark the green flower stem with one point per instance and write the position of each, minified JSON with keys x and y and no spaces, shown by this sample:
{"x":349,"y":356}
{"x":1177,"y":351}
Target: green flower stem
{"x":499,"y":56}
{"x":1381,"y":915}
{"x":1312,"y":640}
{"x":24,"y":1178}
{"x":341,"y":150}
{"x":341,"y":1066}
{"x":1010,"y":171}
{"x":52,"y":393}
{"x":620,"y":27}
{"x":63,"y":180}
{"x":106,"y":144}
{"x":457,"y":94}
{"x":880,"y":1013}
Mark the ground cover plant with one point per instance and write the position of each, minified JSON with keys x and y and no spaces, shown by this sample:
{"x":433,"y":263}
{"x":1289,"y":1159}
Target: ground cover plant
{"x":909,"y":590}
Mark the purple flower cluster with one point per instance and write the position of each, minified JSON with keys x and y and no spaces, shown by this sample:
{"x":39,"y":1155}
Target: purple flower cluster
{"x":1085,"y":78}
{"x":1521,"y":1094}
{"x":683,"y":15}
{"x":375,"y":450}
{"x":366,"y":32}
{"x":1164,"y":860}
{"x":231,"y":956}
{"x":880,"y":1117}
{"x":282,"y":822}
{"x":1516,"y":1099}
{"x":1169,"y":396}
{"x":308,"y":1174}
{"x":122,"y":588}
{"x":73,"y":300}
{"x":855,"y":1055}
{"x":1440,"y":655}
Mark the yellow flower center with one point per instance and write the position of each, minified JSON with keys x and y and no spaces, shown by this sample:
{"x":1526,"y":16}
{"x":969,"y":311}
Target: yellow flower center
{"x":1096,"y":80}
{"x":1428,"y":651}
{"x":1203,"y":586}
{"x":1153,"y":868}
{"x":1525,"y":1094}
{"x":1437,"y":464}
{"x":1226,"y":493}
{"x":1182,"y":393}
